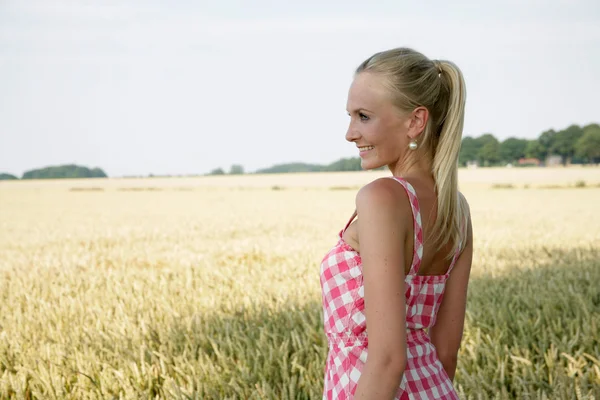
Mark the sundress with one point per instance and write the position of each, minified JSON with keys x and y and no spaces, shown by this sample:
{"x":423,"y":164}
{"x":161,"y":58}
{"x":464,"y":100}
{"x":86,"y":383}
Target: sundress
{"x":345,"y":322}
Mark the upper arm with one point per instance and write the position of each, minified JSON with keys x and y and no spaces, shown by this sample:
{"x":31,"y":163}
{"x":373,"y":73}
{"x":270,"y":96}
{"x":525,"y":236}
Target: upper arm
{"x":447,"y":332}
{"x":382,"y":225}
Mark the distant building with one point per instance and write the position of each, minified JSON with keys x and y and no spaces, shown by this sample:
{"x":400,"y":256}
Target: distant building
{"x":529,"y":161}
{"x":553,"y":160}
{"x":472,"y":164}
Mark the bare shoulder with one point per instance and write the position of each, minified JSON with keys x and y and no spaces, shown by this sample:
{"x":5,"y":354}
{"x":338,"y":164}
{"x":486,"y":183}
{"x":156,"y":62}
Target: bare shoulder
{"x":382,"y":207}
{"x":463,"y":199}
{"x":383,"y":194}
{"x":464,"y":205}
{"x":468,"y":244}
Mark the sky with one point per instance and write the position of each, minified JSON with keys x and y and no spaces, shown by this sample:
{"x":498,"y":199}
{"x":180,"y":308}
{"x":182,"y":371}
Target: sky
{"x":183,"y":87}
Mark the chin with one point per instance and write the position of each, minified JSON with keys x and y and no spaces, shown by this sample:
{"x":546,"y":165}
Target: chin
{"x":368,"y":164}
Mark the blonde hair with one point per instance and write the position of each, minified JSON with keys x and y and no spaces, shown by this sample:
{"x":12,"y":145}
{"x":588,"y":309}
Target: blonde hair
{"x":413,"y":80}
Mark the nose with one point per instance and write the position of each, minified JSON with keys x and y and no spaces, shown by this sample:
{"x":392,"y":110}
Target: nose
{"x":352,"y":135}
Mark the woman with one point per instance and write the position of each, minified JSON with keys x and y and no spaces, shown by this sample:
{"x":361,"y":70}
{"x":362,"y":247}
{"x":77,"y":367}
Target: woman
{"x":400,"y":271}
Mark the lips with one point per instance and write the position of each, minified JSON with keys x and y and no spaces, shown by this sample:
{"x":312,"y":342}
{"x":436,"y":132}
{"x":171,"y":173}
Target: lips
{"x":365,"y":148}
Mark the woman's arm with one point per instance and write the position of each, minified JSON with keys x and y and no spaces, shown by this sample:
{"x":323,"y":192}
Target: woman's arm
{"x":384,"y":213}
{"x":447,"y":332}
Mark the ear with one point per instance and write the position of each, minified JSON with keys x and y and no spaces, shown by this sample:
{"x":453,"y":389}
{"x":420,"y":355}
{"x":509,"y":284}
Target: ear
{"x":418,"y":121}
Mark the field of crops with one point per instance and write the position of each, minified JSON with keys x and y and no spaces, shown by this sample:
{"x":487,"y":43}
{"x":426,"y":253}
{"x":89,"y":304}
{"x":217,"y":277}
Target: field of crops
{"x":208,"y":288}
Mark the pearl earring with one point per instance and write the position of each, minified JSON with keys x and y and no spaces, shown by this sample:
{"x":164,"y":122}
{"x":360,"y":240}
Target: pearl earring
{"x":412,"y":145}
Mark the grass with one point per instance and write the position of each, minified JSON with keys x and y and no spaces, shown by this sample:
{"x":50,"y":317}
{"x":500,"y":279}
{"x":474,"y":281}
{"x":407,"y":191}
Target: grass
{"x":355,"y":188}
{"x":503,"y":186}
{"x":214,"y":293}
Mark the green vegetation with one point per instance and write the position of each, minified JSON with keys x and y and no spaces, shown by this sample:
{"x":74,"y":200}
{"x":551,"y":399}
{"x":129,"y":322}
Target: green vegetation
{"x":62,"y":172}
{"x":291,"y":167}
{"x":236,"y":169}
{"x":7,"y":177}
{"x":588,"y":146}
{"x":574,"y":144}
{"x":343,"y":164}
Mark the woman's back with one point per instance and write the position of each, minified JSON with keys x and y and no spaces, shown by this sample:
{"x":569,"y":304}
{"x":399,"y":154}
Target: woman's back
{"x":345,"y":321}
{"x":434,"y":261}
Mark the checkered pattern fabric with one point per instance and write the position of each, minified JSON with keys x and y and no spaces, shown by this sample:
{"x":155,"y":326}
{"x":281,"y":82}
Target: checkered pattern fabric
{"x":345,"y":321}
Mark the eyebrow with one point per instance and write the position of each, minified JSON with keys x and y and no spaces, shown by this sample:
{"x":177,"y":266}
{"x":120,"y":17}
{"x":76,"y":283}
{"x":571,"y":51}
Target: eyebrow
{"x":360,"y":109}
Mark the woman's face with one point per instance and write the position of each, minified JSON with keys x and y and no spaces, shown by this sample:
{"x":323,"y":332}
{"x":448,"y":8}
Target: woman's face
{"x":377,"y":127}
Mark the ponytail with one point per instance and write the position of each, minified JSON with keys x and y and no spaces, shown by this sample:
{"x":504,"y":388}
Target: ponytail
{"x":450,"y":223}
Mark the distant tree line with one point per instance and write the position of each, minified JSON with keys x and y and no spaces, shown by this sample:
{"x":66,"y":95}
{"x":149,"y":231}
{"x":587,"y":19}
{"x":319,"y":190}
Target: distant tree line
{"x":59,"y":172}
{"x":7,"y":177}
{"x":573,"y":145}
{"x":235,"y":169}
{"x":343,"y":164}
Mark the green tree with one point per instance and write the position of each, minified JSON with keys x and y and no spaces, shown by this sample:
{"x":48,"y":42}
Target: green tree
{"x":291,"y":167}
{"x":345,"y":164}
{"x":546,"y":141}
{"x":236,"y":169}
{"x":469,"y":148}
{"x":564,"y":142}
{"x":588,"y":145}
{"x":7,"y":177}
{"x":590,"y":126}
{"x":489,"y":151}
{"x":97,"y":173}
{"x":64,"y":172}
{"x":217,"y":171}
{"x":489,"y":154}
{"x":512,"y":149}
{"x":535,"y":149}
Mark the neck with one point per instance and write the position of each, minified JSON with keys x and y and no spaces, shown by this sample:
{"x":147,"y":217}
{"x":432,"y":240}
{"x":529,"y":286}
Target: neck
{"x":416,"y":166}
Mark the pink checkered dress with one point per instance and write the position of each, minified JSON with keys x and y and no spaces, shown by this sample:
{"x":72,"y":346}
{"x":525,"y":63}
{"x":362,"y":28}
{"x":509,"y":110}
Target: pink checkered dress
{"x":345,"y":322}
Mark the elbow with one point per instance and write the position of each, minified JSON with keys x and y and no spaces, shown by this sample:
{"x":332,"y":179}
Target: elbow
{"x":446,"y":352}
{"x":398,"y":365}
{"x":450,"y":358}
{"x":395,"y":365}
{"x":449,"y":361}
{"x":447,"y":355}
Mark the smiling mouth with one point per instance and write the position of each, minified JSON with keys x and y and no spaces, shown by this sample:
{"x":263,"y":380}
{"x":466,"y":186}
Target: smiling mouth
{"x":365,"y":148}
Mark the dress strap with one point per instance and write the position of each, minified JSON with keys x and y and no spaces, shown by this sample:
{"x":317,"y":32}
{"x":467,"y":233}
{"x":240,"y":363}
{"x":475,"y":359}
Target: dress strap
{"x":349,"y":222}
{"x":417,"y":225}
{"x":454,"y":259}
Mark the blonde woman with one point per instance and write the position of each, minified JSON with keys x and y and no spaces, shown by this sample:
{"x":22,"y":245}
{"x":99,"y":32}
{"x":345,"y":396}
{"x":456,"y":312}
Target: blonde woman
{"x":395,"y":285}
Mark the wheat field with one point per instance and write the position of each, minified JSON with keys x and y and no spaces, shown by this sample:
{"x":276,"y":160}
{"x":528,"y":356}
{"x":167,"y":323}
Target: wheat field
{"x":208,"y":288}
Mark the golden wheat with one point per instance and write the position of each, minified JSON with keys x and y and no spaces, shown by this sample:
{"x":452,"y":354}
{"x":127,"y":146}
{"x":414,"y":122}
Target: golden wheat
{"x":208,"y":288}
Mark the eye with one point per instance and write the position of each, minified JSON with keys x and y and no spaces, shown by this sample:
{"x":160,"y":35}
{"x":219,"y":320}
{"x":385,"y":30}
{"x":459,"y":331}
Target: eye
{"x":363,"y":117}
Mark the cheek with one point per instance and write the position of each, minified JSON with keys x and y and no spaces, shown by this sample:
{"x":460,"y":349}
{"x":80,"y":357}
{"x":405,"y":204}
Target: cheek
{"x":383,"y":137}
{"x":387,"y":140}
{"x":374,"y":133}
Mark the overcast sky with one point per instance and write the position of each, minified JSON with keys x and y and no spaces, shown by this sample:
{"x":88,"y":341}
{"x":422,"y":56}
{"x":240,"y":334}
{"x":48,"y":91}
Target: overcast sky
{"x":182,"y":87}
